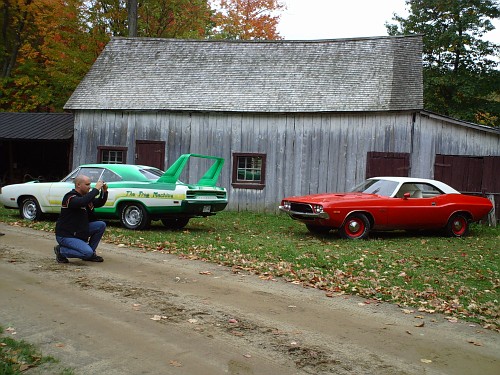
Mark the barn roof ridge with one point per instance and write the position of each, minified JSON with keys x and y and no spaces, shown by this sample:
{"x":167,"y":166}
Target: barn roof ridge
{"x":270,"y":41}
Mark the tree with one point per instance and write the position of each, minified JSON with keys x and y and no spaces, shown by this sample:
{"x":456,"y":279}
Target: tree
{"x":247,"y":19}
{"x":155,"y":18}
{"x":47,"y":47}
{"x":179,"y":19}
{"x":460,"y":76}
{"x":16,"y":20}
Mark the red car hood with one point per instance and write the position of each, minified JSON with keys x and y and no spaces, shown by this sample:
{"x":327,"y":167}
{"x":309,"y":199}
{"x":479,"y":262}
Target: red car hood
{"x":332,"y":197}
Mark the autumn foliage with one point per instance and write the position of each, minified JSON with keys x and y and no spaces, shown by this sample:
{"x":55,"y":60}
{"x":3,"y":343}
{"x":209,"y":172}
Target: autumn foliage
{"x":247,"y":19}
{"x":45,"y":52}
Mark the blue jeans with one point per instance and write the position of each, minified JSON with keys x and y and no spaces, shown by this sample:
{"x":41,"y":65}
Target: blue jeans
{"x":76,"y":248}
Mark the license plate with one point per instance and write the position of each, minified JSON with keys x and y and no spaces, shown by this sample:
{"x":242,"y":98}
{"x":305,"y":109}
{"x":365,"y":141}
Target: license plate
{"x":206,"y":208}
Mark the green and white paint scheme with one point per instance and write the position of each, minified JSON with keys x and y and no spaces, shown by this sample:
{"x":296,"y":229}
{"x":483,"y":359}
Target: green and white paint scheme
{"x":137,"y":194}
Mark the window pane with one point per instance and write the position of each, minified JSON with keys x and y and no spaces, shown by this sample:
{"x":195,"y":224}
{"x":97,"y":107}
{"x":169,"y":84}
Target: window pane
{"x":249,"y":169}
{"x":93,"y":173}
{"x":112,"y":157}
{"x":109,"y":176}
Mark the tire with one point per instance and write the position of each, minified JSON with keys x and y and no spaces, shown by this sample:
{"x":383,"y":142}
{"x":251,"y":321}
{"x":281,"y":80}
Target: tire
{"x":317,"y":229}
{"x":355,"y":227}
{"x":458,"y":226}
{"x":175,"y":223}
{"x":134,"y":216}
{"x":30,"y":209}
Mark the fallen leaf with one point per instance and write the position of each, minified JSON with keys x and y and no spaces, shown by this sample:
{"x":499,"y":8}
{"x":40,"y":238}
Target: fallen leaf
{"x":175,"y":363}
{"x":233,"y":321}
{"x":474,"y":343}
{"x":205,"y":273}
{"x":423,"y":360}
{"x":247,"y":356}
{"x":192,"y":321}
{"x":420,"y":324}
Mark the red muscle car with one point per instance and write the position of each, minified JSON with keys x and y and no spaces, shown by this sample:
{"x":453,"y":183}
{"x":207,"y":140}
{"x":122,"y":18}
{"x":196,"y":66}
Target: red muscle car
{"x":388,"y":203}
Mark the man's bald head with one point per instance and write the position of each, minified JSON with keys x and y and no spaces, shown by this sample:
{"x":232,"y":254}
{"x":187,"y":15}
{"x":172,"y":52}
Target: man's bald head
{"x":82,"y":184}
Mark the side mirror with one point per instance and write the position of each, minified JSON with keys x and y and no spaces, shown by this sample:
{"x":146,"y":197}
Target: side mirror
{"x":406,"y":195}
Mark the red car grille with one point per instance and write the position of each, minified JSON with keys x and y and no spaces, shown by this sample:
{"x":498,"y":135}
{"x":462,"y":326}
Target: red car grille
{"x":301,"y":207}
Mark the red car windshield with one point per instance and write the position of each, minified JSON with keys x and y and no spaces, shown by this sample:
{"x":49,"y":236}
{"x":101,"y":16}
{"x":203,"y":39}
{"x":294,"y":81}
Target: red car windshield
{"x":380,"y":187}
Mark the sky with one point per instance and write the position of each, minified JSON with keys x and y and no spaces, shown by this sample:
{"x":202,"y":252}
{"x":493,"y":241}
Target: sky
{"x":332,"y":19}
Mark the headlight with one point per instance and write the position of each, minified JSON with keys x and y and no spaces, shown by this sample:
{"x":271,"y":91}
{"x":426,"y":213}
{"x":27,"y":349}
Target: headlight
{"x":317,"y":208}
{"x":286,"y":205}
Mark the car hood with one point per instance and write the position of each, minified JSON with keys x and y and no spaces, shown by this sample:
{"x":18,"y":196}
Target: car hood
{"x":332,"y":197}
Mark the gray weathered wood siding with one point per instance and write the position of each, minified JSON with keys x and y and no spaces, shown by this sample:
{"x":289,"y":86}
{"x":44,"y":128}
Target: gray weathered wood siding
{"x":306,"y":153}
{"x":436,"y":135}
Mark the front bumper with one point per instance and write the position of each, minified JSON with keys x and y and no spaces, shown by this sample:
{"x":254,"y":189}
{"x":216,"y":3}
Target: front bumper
{"x":300,"y":215}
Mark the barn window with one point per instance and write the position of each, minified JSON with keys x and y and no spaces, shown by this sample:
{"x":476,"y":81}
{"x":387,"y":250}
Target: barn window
{"x":112,"y":155}
{"x":249,"y":171}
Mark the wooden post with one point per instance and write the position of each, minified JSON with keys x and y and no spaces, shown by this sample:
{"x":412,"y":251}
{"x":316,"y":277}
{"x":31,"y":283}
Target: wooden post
{"x":492,"y":219}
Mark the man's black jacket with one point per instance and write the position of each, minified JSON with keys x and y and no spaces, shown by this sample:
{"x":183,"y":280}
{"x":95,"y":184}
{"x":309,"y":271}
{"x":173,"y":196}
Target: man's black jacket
{"x":76,"y":213}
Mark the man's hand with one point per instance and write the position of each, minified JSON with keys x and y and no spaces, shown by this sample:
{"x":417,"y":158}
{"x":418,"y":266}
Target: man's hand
{"x":100,"y":184}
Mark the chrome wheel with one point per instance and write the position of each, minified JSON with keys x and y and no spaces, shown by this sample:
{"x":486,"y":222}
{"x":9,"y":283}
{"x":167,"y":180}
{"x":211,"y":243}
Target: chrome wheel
{"x":30,"y":209}
{"x":134,"y":216}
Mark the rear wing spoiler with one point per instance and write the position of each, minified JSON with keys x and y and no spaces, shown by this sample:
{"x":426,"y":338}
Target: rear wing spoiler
{"x":209,"y":178}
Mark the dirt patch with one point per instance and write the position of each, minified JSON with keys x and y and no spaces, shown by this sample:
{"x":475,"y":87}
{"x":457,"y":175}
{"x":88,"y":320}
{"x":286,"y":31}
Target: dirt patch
{"x":149,"y":313}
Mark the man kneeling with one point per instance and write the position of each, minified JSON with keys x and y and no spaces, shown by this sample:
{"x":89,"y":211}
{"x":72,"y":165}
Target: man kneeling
{"x":78,"y":232}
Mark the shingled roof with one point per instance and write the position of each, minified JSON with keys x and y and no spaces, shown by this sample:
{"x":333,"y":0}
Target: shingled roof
{"x":362,"y":74}
{"x":36,"y":126}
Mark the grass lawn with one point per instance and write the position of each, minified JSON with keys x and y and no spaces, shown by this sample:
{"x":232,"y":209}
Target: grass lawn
{"x":18,"y":356}
{"x":424,"y":271}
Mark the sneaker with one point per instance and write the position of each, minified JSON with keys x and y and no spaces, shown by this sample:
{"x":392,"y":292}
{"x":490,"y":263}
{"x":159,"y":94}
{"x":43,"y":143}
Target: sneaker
{"x":94,"y":258}
{"x":60,"y":258}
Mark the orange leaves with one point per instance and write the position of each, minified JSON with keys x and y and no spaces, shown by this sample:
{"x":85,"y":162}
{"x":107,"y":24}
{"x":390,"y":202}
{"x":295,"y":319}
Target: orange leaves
{"x":43,"y":41}
{"x":247,"y":19}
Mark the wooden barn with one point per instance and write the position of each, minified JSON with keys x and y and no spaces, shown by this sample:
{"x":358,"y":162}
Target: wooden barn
{"x":289,"y":117}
